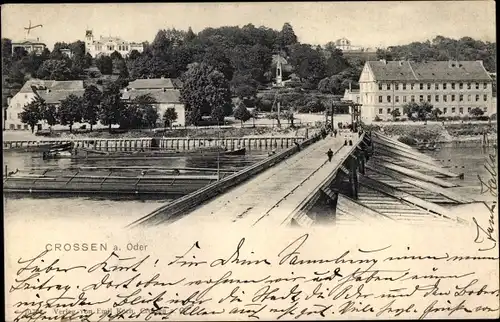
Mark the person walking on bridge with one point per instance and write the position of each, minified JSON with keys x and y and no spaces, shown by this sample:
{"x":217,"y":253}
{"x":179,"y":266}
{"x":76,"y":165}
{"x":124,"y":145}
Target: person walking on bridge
{"x":330,"y":155}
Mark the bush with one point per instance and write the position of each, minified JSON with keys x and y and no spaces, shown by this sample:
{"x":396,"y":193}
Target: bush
{"x":484,"y":118}
{"x":407,"y":140}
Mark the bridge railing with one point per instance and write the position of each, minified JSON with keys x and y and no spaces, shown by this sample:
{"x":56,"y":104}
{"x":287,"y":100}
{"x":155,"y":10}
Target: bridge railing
{"x":188,"y":202}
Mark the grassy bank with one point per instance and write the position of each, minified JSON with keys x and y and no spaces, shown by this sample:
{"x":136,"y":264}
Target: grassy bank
{"x":437,"y":132}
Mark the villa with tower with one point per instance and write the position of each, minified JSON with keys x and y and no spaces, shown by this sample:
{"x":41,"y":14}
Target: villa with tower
{"x":107,"y":45}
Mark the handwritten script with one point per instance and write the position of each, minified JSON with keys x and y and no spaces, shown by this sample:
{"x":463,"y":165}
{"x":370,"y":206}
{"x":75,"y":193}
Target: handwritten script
{"x":241,"y":284}
{"x":485,"y":236}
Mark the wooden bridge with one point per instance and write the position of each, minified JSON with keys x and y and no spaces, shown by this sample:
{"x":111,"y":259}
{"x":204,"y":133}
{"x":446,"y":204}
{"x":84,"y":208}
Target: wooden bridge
{"x":374,"y":179}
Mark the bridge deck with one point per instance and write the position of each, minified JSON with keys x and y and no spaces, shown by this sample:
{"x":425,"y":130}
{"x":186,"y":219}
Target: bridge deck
{"x":270,"y":197}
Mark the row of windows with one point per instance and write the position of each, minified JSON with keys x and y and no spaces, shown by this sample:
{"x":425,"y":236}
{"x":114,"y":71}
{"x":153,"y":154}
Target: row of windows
{"x":19,"y":127}
{"x":429,"y":98}
{"x":445,"y":110}
{"x":428,"y":86}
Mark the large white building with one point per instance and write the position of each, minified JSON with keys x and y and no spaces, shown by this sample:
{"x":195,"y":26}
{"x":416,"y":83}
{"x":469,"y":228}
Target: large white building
{"x":30,"y":45}
{"x":166,"y":93}
{"x":52,"y":92}
{"x":108,"y":45}
{"x":455,"y":87}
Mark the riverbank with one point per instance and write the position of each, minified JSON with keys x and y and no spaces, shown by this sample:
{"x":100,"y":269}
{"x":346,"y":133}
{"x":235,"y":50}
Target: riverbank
{"x":448,"y":133}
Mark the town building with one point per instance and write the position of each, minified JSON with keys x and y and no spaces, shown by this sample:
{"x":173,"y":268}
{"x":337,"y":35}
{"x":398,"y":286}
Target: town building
{"x":166,"y":92}
{"x":30,"y":45}
{"x":53,"y":92}
{"x":455,"y":87}
{"x":108,"y":45}
{"x":344,"y":44}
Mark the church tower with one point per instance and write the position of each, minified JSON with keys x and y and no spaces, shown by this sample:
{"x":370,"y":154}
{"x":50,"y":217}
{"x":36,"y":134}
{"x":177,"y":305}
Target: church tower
{"x":89,"y":40}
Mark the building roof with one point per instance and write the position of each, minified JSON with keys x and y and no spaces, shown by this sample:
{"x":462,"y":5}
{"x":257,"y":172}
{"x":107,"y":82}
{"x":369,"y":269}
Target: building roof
{"x":428,"y":71}
{"x":54,"y":97}
{"x":28,"y":42}
{"x":161,"y":96}
{"x":154,"y":83}
{"x":52,"y":85}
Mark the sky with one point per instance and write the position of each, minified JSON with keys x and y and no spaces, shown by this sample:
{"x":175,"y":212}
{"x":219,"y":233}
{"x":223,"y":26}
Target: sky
{"x":367,"y":24}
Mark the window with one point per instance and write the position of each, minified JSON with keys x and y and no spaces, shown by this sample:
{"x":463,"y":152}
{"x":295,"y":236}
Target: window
{"x":396,"y":87}
{"x":485,"y":109}
{"x":485,"y":86}
{"x":444,"y":85}
{"x":461,"y":86}
{"x":26,"y":126}
{"x":485,"y":98}
{"x":469,"y":85}
{"x":445,"y":110}
{"x":436,"y":86}
{"x":19,"y":126}
{"x":461,"y":98}
{"x":388,"y":111}
{"x":421,"y":98}
{"x":19,"y":115}
{"x":428,"y":98}
{"x":453,"y":110}
{"x":445,"y":98}
{"x":12,"y":126}
{"x":404,"y":86}
{"x":436,"y":98}
{"x":469,"y":98}
{"x":452,"y":85}
{"x":404,"y":99}
{"x":421,"y":86}
{"x":388,"y":98}
{"x":477,"y":85}
{"x":461,"y":110}
{"x":453,"y":98}
{"x":388,"y":87}
{"x":396,"y":98}
{"x":413,"y":98}
{"x":477,"y":98}
{"x":412,"y":86}
{"x":380,"y":99}
{"x":468,"y":109}
{"x":379,"y":86}
{"x":380,"y":111}
{"x":428,"y":85}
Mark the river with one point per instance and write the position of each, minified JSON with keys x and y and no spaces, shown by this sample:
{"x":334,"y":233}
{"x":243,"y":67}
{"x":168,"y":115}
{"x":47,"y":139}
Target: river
{"x":123,"y":210}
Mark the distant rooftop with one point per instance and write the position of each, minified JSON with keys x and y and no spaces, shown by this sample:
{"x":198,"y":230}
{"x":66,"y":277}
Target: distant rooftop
{"x":52,"y":85}
{"x":161,"y":96}
{"x":155,"y":83}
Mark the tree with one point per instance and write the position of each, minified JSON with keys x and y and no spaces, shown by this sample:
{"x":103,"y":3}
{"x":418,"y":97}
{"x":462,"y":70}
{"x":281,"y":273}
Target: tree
{"x":476,"y":111}
{"x":169,"y":116}
{"x":395,"y":114}
{"x":241,"y":113}
{"x":91,"y":104}
{"x":275,"y":116}
{"x":139,"y":112}
{"x":425,"y":110}
{"x":55,"y":70}
{"x":50,"y":114}
{"x":134,"y":54}
{"x":70,"y":111}
{"x":105,"y":65}
{"x":205,"y":91}
{"x":436,"y":112}
{"x":307,"y":63}
{"x":190,"y":36}
{"x":115,"y":56}
{"x":410,"y":109}
{"x":112,"y":106}
{"x":287,"y":36}
{"x":290,"y":117}
{"x":32,"y":113}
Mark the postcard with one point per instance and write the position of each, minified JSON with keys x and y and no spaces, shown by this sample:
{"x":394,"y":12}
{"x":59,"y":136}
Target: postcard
{"x":250,"y":161}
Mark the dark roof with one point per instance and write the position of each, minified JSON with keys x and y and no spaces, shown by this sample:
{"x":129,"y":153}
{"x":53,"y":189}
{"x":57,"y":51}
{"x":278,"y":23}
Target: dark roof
{"x":167,"y":96}
{"x":429,"y":71}
{"x":153,"y":83}
{"x":55,"y":97}
{"x":52,"y":85}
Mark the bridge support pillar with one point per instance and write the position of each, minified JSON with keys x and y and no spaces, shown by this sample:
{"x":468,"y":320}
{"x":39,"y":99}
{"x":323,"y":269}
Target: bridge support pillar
{"x":361,"y":161}
{"x":353,"y":177}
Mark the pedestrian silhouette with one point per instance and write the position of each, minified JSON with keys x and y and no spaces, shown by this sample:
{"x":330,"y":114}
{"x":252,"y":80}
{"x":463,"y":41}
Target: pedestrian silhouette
{"x":350,"y":142}
{"x":330,"y":155}
{"x":345,"y":142}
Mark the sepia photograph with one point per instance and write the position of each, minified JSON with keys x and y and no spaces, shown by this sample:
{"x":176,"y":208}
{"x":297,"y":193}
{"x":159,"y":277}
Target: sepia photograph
{"x":243,"y":161}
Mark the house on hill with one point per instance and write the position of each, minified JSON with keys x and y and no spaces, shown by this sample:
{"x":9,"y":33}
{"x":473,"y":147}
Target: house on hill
{"x":53,"y":92}
{"x":166,"y":92}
